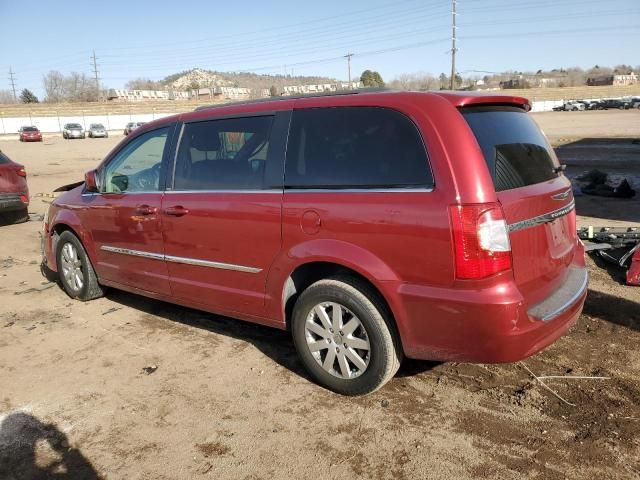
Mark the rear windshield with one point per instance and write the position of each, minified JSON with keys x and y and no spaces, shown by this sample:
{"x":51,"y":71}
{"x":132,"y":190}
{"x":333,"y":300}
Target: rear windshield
{"x":516,"y":151}
{"x":29,"y":129}
{"x":74,"y":125}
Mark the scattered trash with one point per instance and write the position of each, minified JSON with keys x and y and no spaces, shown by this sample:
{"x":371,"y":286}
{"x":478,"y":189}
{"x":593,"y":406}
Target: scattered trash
{"x":597,"y":185}
{"x":149,"y":370}
{"x":619,"y":246}
{"x":111,"y":310}
{"x":384,"y":403}
{"x":41,"y":194}
{"x":540,"y":379}
{"x":9,"y":324}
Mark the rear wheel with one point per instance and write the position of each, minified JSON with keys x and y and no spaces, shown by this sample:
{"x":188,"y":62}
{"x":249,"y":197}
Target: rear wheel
{"x":75,"y":271}
{"x":344,"y":336}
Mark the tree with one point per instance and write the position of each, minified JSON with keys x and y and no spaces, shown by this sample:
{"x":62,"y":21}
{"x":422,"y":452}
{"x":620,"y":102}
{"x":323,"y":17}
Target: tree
{"x":371,"y":79}
{"x":27,"y":96}
{"x":6,"y":96}
{"x":444,"y":81}
{"x":273,"y":91}
{"x":143,"y":84}
{"x":53,"y":86}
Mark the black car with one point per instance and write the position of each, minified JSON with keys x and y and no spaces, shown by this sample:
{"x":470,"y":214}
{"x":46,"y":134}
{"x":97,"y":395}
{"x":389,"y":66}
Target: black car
{"x":613,"y":103}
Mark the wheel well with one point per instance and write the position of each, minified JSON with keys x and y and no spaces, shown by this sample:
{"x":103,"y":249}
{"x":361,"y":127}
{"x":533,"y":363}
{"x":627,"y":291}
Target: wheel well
{"x":57,"y":230}
{"x":309,"y":273}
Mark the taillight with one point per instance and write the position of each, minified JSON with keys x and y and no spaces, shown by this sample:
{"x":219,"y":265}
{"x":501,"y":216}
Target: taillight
{"x":481,"y":240}
{"x":22,"y":172}
{"x":24,"y":199}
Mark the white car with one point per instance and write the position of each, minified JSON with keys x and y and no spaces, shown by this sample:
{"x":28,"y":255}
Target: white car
{"x":574,"y":106}
{"x":73,"y":130}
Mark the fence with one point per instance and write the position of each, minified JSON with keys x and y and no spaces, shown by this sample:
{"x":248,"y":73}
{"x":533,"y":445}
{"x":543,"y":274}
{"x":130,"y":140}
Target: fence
{"x":55,"y":124}
{"x":117,"y":121}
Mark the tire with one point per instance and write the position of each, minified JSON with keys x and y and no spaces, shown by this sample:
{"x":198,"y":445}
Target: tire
{"x":14,"y":217}
{"x":70,"y":254}
{"x":380,"y":353}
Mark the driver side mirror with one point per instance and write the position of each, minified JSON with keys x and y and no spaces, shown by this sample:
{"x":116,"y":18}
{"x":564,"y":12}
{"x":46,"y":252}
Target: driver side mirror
{"x":91,"y":181}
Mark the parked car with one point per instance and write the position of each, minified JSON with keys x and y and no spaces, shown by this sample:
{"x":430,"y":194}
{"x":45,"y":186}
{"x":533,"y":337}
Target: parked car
{"x":574,"y":106}
{"x":614,"y":103}
{"x":131,"y":126}
{"x":73,"y":130}
{"x":588,"y":105}
{"x":97,"y":130}
{"x":14,"y":192}
{"x":635,"y":102}
{"x":374,"y":226}
{"x":30,"y":134}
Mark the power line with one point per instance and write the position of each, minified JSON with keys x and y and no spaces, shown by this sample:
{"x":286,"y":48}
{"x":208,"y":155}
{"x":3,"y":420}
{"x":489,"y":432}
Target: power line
{"x":348,"y":57}
{"x":453,"y":44}
{"x":95,"y":73}
{"x":13,"y":83}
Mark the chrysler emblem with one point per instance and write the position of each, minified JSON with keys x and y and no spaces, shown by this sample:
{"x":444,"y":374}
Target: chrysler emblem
{"x":561,"y":196}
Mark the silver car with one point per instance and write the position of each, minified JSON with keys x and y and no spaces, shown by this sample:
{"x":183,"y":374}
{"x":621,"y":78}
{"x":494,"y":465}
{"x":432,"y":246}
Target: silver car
{"x":72,"y":130}
{"x":97,"y":130}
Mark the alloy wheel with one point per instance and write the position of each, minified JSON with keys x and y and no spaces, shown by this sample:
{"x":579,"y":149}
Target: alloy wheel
{"x":337,"y":340}
{"x":71,"y":267}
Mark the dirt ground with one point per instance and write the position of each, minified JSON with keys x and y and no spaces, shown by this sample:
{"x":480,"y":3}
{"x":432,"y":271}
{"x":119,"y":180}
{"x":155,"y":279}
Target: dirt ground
{"x":130,"y":388}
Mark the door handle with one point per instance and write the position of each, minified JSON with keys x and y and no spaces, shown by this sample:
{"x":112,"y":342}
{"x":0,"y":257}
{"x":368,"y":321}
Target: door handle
{"x":145,"y":210}
{"x":176,"y":211}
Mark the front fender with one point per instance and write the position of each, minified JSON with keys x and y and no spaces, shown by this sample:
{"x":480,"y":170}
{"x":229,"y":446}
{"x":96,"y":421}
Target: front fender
{"x":69,"y":219}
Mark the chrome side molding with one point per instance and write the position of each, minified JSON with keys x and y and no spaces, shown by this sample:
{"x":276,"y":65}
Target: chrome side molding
{"x":184,"y":260}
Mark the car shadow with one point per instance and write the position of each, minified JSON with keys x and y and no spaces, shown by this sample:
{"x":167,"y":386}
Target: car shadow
{"x":613,"y":309}
{"x":274,"y":343}
{"x":32,"y":450}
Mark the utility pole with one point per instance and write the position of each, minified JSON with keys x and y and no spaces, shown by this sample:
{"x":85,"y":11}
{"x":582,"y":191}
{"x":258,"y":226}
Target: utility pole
{"x":348,"y":57}
{"x":95,"y":73}
{"x":453,"y":46}
{"x":13,"y":83}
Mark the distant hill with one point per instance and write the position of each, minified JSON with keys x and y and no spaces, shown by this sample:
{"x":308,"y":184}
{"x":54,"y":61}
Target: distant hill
{"x":200,"y":78}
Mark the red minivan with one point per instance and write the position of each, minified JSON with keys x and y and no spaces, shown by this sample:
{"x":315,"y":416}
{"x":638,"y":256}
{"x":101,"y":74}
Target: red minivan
{"x":373,"y":225}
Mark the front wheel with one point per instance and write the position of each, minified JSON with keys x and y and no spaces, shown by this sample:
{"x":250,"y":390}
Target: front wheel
{"x":75,"y":271}
{"x":344,"y":337}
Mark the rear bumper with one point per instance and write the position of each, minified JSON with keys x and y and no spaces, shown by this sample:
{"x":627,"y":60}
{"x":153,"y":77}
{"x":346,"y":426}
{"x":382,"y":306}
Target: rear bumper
{"x":487,"y":325}
{"x":11,"y":202}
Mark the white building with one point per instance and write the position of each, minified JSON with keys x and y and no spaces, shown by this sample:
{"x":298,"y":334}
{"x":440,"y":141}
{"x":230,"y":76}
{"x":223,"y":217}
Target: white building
{"x":115,"y":94}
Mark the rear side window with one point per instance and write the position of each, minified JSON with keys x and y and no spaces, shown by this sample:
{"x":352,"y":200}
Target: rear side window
{"x":355,"y":147}
{"x":516,"y":151}
{"x":226,"y":154}
{"x":3,"y":159}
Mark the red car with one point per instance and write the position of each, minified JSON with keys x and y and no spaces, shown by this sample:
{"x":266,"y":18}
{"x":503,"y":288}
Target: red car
{"x":14,"y":193}
{"x":30,"y":134}
{"x":374,"y":226}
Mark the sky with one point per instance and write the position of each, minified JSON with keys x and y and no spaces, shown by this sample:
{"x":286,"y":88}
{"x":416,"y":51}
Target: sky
{"x":153,"y":39}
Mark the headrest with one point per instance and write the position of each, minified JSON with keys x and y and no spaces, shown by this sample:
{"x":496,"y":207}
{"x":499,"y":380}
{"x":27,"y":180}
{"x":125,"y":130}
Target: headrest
{"x":204,"y":139}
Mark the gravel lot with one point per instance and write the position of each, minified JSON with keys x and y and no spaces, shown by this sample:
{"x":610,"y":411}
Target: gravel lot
{"x":130,"y":388}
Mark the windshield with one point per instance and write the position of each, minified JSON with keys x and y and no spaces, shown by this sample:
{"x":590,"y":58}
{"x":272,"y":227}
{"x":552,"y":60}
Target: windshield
{"x":29,"y":129}
{"x":97,"y":126}
{"x":516,"y":151}
{"x":74,"y":125}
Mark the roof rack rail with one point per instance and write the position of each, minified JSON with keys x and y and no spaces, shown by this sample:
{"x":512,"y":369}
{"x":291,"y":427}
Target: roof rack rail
{"x":294,"y":97}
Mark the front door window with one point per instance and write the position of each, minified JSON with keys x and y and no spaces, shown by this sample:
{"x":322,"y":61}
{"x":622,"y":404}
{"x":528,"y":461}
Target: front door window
{"x":136,"y":168}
